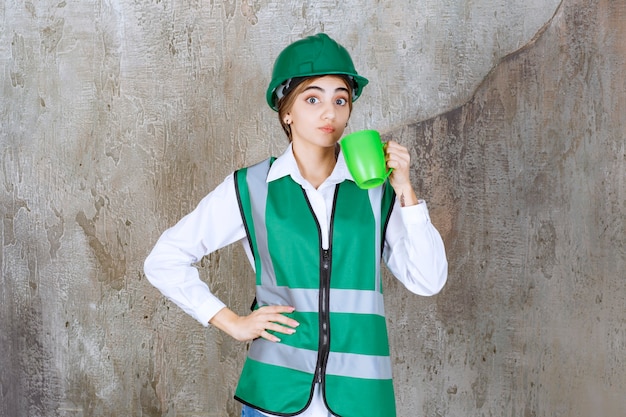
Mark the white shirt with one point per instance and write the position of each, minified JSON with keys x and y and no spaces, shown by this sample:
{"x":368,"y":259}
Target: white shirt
{"x":413,"y":249}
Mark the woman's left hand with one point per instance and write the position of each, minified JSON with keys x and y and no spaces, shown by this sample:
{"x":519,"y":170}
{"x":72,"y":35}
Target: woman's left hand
{"x":398,"y":158}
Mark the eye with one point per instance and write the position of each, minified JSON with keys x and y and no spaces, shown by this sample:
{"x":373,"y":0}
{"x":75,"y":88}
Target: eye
{"x":312,"y":100}
{"x":341,"y":101}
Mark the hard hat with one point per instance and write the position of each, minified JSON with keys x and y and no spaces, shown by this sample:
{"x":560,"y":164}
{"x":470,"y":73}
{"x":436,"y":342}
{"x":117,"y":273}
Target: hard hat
{"x":313,"y":56}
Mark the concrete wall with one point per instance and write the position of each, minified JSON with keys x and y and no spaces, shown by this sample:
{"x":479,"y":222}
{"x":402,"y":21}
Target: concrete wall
{"x":527,"y":181}
{"x":117,"y":117}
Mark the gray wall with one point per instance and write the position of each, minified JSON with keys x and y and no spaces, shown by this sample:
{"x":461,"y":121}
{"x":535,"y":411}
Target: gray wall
{"x":117,"y":117}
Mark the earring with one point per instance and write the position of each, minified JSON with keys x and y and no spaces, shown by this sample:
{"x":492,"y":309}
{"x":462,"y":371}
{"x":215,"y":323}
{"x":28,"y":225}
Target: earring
{"x":287,"y":121}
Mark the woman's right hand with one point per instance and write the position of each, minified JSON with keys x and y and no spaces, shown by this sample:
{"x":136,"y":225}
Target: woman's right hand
{"x":256,"y":324}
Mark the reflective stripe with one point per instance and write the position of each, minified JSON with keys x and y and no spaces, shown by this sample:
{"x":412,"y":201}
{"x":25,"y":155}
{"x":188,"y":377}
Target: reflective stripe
{"x":376,"y":195}
{"x":257,"y":187}
{"x":359,"y":366}
{"x":306,"y":300}
{"x":303,"y":360}
{"x":280,"y":354}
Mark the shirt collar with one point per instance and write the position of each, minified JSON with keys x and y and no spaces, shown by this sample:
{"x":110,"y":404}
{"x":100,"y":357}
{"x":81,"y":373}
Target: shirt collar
{"x":286,"y":165}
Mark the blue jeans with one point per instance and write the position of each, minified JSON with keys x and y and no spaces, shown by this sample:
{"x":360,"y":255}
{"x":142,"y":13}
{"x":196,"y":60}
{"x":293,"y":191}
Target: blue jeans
{"x":250,"y":412}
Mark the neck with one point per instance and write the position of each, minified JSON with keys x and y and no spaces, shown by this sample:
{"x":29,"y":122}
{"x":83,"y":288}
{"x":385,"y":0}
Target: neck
{"x":315,"y":164}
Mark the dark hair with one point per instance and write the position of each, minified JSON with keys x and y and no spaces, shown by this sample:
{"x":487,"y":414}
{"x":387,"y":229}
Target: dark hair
{"x":286,"y":102}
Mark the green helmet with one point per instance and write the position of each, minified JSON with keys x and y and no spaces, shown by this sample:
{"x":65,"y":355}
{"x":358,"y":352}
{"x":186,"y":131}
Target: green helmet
{"x":312,"y":56}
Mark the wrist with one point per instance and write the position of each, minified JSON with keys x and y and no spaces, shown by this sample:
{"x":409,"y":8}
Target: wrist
{"x":225,"y":320}
{"x":407,"y":197}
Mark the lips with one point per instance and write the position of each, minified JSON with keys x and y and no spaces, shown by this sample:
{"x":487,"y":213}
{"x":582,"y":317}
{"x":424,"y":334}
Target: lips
{"x":327,"y":129}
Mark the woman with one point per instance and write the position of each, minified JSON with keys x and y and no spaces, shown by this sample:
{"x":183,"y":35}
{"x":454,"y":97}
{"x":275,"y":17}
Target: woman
{"x":319,"y":342}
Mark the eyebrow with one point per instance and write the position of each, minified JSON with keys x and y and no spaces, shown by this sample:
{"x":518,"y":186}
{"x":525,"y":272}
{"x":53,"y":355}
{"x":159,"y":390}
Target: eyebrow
{"x":315,"y":87}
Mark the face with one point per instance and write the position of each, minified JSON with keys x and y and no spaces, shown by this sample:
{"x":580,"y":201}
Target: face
{"x":320,"y":112}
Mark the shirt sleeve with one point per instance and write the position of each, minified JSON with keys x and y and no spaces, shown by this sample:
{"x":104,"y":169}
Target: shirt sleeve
{"x":216,"y":222}
{"x":414,"y":251}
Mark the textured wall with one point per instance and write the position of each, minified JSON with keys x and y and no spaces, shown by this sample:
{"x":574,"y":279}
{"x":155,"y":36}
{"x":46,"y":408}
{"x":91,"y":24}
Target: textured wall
{"x":527,"y":181}
{"x":117,"y":117}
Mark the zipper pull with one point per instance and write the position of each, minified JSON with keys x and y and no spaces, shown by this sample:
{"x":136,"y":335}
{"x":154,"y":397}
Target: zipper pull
{"x":325,"y":259}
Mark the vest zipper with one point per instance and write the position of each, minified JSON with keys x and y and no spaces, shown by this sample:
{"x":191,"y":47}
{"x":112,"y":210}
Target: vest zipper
{"x":324,"y":314}
{"x":324,"y":294}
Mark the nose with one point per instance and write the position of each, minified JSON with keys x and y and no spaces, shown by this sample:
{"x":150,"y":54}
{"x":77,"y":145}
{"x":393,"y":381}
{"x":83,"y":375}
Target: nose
{"x":329,"y":112}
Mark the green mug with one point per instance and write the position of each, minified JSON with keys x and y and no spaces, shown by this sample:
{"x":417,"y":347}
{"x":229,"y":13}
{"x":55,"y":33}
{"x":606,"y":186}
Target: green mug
{"x":365,"y":158}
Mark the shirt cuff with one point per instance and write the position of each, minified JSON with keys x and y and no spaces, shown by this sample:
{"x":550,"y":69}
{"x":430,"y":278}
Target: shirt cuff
{"x":210,"y":308}
{"x":415,"y":215}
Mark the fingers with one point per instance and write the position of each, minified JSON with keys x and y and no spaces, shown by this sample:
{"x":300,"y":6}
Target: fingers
{"x":397,"y":156}
{"x":268,"y":336}
{"x":270,"y":319}
{"x":275,"y":314}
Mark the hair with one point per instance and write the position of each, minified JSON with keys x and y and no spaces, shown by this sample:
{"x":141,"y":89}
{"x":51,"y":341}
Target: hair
{"x":286,"y":103}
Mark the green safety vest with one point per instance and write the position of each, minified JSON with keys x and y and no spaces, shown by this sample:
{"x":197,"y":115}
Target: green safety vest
{"x":337,"y":294}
